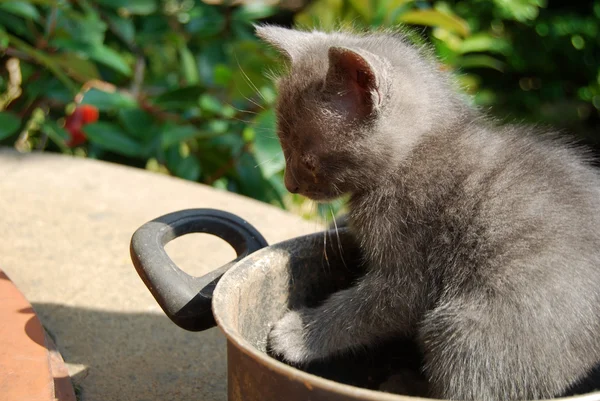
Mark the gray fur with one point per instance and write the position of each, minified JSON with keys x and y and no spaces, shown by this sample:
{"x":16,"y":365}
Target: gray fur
{"x":482,"y":241}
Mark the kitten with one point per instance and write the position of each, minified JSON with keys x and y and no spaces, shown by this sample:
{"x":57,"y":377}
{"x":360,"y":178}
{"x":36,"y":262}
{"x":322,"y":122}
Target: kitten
{"x":482,"y":241}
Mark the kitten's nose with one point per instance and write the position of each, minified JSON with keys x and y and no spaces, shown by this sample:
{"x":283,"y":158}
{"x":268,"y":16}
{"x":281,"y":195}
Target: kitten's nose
{"x":290,"y":183}
{"x":293,"y":188}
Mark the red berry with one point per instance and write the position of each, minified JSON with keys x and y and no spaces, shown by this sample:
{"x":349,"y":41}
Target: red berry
{"x":90,"y":113}
{"x":77,"y":138}
{"x":82,"y":115}
{"x":75,"y":119}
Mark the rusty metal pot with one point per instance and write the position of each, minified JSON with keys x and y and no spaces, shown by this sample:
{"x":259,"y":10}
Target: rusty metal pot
{"x":253,"y":292}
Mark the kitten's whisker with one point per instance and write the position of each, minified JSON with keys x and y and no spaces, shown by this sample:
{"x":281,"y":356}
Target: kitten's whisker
{"x":338,"y":237}
{"x":248,"y":122}
{"x":248,"y":79}
{"x":250,"y":100}
{"x":265,"y":162}
{"x":241,"y":110}
{"x":325,"y":249}
{"x":315,"y":212}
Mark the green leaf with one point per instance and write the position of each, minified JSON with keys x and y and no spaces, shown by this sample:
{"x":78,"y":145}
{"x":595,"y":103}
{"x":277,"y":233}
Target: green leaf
{"x":179,"y":98}
{"x":388,"y":11}
{"x":443,"y":50}
{"x":253,"y":11}
{"x":188,"y":168}
{"x":212,"y":55}
{"x":137,"y":122}
{"x":469,"y":82}
{"x":482,"y":42}
{"x":3,"y":40}
{"x":222,"y":75}
{"x":321,"y":14}
{"x":228,"y":111}
{"x":229,"y":142}
{"x":520,"y":10}
{"x":123,"y":26}
{"x":21,"y":9}
{"x":108,"y":101}
{"x":49,"y":3}
{"x":267,"y":149}
{"x":153,"y":28}
{"x":86,"y":28}
{"x":15,"y":25}
{"x":362,"y":8}
{"x":217,"y":127}
{"x":183,"y":166}
{"x":110,"y":137}
{"x":174,"y":134}
{"x":243,"y":31}
{"x":50,"y":88}
{"x":485,"y":98}
{"x":251,"y":181}
{"x":250,"y":64}
{"x":137,"y":7}
{"x":435,"y":18}
{"x":43,"y":59}
{"x":278,"y":189}
{"x":205,"y":21}
{"x":210,"y":104}
{"x":97,"y":52}
{"x":188,"y":66}
{"x":57,"y":134}
{"x":9,"y":124}
{"x":479,"y":61}
{"x":78,"y":68}
{"x":110,"y":58}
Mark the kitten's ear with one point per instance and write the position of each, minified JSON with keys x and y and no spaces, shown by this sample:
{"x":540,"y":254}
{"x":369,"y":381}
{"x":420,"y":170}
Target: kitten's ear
{"x":289,"y":42}
{"x":355,"y":79}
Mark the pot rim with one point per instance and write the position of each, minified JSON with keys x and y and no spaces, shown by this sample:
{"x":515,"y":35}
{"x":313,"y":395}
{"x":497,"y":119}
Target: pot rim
{"x":308,"y":379}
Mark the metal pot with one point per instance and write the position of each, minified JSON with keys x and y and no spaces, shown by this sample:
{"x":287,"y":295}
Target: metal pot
{"x":253,"y":292}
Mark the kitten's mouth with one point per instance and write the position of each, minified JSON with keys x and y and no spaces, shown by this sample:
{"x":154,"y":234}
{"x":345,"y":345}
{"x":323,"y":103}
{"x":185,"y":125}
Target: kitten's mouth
{"x":321,"y":196}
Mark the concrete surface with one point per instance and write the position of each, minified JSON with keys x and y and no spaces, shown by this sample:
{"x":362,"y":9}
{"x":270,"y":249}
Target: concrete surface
{"x":66,"y":225}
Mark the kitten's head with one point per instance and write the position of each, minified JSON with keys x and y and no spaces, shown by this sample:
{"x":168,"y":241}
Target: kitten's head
{"x":351,"y":108}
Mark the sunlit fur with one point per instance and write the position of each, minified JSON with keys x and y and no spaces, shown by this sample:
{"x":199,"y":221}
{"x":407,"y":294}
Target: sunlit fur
{"x":483,"y":242}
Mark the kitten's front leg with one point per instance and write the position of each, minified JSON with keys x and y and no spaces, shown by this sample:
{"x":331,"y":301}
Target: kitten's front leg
{"x":353,"y":317}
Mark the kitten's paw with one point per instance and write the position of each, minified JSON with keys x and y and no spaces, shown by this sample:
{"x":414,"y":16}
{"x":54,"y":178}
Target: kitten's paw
{"x":288,"y":338}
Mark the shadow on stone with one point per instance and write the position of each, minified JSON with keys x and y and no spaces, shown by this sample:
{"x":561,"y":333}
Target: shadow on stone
{"x":136,"y":356}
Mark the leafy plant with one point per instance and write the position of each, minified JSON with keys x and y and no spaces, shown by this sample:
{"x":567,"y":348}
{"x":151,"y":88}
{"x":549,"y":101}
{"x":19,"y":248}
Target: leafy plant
{"x":176,"y":87}
{"x":179,"y":86}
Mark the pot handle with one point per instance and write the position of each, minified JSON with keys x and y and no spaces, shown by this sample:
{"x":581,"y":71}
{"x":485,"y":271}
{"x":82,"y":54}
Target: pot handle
{"x":187,"y":299}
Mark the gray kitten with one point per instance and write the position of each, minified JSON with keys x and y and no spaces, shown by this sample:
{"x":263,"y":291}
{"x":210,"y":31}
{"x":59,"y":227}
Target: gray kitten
{"x":482,"y":242}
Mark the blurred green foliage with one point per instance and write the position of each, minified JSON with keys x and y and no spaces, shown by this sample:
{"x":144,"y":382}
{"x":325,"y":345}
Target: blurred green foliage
{"x":181,"y":85}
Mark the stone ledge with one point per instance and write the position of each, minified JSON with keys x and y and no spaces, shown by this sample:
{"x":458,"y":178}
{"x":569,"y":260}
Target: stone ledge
{"x":67,"y":223}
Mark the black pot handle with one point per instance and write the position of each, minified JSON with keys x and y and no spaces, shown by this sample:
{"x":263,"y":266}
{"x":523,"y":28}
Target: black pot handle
{"x":184,"y":298}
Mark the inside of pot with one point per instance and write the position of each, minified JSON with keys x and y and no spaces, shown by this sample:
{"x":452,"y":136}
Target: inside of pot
{"x":303,"y":273}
